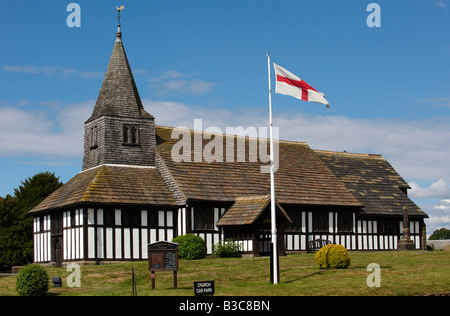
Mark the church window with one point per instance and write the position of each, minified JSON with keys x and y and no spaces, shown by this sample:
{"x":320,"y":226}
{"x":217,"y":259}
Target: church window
{"x":320,"y":221}
{"x":93,"y":137}
{"x":130,"y":134}
{"x":345,"y":222}
{"x":131,"y":218}
{"x":204,"y":218}
{"x":388,"y":227}
{"x":109,"y":218}
{"x":56,"y":223}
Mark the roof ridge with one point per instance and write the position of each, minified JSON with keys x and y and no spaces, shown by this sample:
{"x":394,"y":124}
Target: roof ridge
{"x":252,"y":197}
{"x":345,"y":153}
{"x":86,"y":193}
{"x":234,"y":135}
{"x":118,"y":166}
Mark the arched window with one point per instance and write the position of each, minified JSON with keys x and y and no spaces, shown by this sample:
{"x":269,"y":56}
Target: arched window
{"x":93,"y":137}
{"x":130,"y":134}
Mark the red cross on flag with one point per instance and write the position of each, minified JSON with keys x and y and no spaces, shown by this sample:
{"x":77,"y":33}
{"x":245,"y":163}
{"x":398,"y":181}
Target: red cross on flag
{"x":290,"y":84}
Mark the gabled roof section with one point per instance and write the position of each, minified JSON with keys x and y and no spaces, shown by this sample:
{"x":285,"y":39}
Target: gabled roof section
{"x":373,"y":181}
{"x":111,"y":184}
{"x":118,"y":95}
{"x":246,"y":210}
{"x":302,"y":178}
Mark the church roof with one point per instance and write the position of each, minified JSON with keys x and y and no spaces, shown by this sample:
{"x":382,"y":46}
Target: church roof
{"x":109,"y":184}
{"x":302,"y":178}
{"x":373,"y":181}
{"x":118,"y":95}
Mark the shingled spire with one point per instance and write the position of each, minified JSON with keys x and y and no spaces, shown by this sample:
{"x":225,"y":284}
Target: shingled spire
{"x":118,"y":95}
{"x":119,"y":130}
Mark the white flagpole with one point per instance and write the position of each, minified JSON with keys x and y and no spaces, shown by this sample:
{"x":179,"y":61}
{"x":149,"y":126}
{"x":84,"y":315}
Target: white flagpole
{"x":272,"y":188}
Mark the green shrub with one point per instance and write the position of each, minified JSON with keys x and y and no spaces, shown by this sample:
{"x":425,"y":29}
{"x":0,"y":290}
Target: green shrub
{"x":32,"y":280}
{"x":333,"y":257}
{"x":190,"y":247}
{"x":226,"y":249}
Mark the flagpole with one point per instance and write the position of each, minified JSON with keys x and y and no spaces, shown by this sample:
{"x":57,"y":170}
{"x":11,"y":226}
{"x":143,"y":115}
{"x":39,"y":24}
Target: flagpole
{"x":274,"y":268}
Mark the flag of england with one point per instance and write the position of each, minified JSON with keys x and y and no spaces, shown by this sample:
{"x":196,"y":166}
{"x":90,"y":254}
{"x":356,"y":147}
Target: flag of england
{"x":290,"y":84}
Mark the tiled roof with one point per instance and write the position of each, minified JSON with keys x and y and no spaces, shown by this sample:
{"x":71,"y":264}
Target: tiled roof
{"x":118,"y":95}
{"x":302,"y":178}
{"x":373,"y":181}
{"x":108,"y":184}
{"x":246,"y":210}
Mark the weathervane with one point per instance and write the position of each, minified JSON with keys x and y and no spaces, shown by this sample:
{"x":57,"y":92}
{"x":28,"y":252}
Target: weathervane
{"x":119,"y":32}
{"x":118,"y":10}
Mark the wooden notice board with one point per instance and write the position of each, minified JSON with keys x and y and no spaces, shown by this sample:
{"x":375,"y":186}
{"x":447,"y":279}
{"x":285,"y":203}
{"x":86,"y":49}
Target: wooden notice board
{"x":163,"y":256}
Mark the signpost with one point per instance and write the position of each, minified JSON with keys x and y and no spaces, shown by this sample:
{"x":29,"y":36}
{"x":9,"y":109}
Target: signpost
{"x":204,"y":288}
{"x":163,"y":256}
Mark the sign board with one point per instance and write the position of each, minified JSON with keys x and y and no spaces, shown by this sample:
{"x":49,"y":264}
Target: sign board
{"x":204,"y":288}
{"x":163,"y":256}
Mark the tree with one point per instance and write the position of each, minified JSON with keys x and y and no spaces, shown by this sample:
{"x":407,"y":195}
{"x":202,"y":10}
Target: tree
{"x":439,"y":234}
{"x":16,"y":227}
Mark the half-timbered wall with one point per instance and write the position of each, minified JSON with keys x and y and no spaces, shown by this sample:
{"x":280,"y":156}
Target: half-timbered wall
{"x":201,"y":221}
{"x":415,"y":232}
{"x":121,"y":234}
{"x":42,"y":239}
{"x":73,"y":235}
{"x":384,"y":233}
{"x":243,"y":236}
{"x":363,"y":234}
{"x":337,"y":227}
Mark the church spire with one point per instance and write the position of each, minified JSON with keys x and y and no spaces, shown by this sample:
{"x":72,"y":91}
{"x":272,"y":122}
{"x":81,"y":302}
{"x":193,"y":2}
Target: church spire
{"x":119,"y":95}
{"x":119,"y":130}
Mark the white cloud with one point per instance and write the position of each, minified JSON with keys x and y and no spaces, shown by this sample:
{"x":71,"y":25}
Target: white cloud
{"x":174,"y":81}
{"x":438,"y":189}
{"x":435,"y":101}
{"x":444,"y":205}
{"x":41,"y":133}
{"x":53,"y":71}
{"x":169,"y":75}
{"x":182,"y":87}
{"x":439,"y":216}
{"x":178,"y":114}
{"x":442,"y":5}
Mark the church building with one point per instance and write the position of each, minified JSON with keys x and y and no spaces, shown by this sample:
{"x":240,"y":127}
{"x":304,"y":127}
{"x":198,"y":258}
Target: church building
{"x":131,"y":192}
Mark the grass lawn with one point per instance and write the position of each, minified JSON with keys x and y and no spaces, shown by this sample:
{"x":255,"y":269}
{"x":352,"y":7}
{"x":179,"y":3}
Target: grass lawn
{"x":402,"y":273}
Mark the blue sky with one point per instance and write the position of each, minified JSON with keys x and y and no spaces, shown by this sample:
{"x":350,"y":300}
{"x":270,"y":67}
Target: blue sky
{"x":388,"y":86}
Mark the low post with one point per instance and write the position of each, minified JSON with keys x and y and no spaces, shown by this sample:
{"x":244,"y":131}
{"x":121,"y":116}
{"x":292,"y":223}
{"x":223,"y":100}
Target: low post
{"x":405,"y":243}
{"x":175,"y":277}
{"x":134,"y":282}
{"x":153,"y":277}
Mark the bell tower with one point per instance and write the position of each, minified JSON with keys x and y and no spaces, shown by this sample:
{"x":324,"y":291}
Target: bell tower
{"x":119,"y":130}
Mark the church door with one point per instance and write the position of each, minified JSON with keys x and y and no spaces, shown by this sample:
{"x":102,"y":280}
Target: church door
{"x":57,"y":252}
{"x":57,"y":238}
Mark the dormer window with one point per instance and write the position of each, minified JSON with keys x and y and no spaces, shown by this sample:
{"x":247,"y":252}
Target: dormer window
{"x":130,"y":134}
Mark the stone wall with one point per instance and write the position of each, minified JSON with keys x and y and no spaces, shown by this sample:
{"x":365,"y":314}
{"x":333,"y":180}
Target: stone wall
{"x":440,"y":244}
